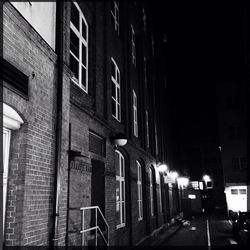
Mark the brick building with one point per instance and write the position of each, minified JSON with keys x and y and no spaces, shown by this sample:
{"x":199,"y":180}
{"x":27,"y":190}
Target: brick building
{"x":75,"y":77}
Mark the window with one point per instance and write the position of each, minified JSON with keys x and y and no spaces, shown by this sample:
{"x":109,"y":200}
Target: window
{"x":235,"y":132}
{"x":139,"y":188}
{"x":120,"y":189}
{"x":239,"y":163}
{"x":79,"y":47}
{"x":116,"y":93}
{"x":133,"y":49}
{"x":160,"y":196}
{"x":135,"y":114}
{"x":144,"y":20}
{"x":232,"y":102}
{"x":195,"y":185}
{"x":156,"y":140}
{"x":151,"y":191}
{"x":115,"y":15}
{"x":145,"y":71}
{"x":153,"y":45}
{"x":234,"y":191}
{"x":147,"y":130}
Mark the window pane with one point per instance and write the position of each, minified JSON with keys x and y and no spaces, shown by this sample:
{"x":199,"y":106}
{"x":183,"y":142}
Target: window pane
{"x":123,"y":190}
{"x":74,"y":66}
{"x":113,"y":107}
{"x":117,"y":165}
{"x":113,"y":70}
{"x":234,"y":191}
{"x":84,"y":30}
{"x":83,"y":76}
{"x":84,"y":55}
{"x":117,"y":191}
{"x":74,"y":44}
{"x":243,"y":191}
{"x":74,"y":16}
{"x":123,"y":212}
{"x":113,"y":90}
{"x":118,"y":95}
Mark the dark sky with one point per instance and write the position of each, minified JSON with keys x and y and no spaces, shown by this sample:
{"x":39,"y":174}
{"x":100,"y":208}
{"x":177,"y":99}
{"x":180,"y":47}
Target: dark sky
{"x":205,"y":44}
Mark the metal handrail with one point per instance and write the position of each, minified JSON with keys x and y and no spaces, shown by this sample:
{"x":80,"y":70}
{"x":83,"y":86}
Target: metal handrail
{"x":96,"y":227}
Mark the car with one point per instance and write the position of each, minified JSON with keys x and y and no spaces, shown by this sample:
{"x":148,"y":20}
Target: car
{"x":241,"y":226}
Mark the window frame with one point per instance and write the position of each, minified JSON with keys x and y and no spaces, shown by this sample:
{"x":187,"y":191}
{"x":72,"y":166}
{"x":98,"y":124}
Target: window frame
{"x":117,"y":84}
{"x":82,"y":43}
{"x":133,"y":46}
{"x":122,"y":187}
{"x":151,"y":192}
{"x":115,"y":16}
{"x":135,"y":114}
{"x":139,"y":191}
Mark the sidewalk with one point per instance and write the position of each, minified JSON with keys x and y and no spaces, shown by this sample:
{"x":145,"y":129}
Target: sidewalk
{"x":160,"y":235}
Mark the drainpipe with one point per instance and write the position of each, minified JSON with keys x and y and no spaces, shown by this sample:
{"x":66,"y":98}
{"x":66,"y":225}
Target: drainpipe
{"x":59,"y":86}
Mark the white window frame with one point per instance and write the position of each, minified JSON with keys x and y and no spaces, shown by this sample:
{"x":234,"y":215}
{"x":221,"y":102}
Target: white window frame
{"x":147,"y":129}
{"x":151,"y":191}
{"x":117,"y":97}
{"x":120,"y":177}
{"x":160,"y":196}
{"x":135,"y":114}
{"x":82,"y":43}
{"x":139,"y":191}
{"x":133,"y":48}
{"x":115,"y":15}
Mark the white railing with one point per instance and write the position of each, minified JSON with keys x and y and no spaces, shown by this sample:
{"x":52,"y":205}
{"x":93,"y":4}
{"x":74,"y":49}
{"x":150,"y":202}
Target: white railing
{"x":95,"y":227}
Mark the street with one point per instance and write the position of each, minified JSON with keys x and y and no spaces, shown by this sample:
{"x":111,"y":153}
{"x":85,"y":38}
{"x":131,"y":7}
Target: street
{"x":206,"y":232}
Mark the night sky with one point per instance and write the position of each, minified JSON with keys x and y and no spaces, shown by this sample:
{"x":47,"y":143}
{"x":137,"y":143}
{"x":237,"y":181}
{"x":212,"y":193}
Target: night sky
{"x":205,"y":45}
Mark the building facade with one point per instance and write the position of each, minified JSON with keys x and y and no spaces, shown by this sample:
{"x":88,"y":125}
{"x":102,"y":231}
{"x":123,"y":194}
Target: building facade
{"x":76,"y":77}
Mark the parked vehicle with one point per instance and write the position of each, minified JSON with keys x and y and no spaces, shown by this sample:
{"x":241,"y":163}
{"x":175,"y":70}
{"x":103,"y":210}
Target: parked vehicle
{"x":241,"y":226}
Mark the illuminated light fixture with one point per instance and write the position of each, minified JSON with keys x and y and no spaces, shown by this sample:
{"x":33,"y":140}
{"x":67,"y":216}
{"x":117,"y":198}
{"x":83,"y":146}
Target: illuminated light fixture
{"x":173,"y":175}
{"x":206,"y":178}
{"x":162,"y":168}
{"x":183,"y":181}
{"x":119,"y":140}
{"x":192,"y":196}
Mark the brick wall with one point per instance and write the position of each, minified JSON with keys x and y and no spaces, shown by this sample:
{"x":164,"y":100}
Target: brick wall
{"x":31,"y":166}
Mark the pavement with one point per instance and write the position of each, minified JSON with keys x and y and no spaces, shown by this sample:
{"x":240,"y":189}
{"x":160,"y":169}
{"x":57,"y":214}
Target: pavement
{"x":160,"y":235}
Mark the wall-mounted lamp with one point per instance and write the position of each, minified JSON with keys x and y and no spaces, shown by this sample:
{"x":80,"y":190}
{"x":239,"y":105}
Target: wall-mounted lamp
{"x":173,"y":174}
{"x":206,"y":178}
{"x":119,"y":140}
{"x":183,"y":181}
{"x":162,"y":167}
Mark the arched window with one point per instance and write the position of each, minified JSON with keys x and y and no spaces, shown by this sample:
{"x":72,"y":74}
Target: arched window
{"x":139,"y":190}
{"x":11,"y":121}
{"x":79,"y":47}
{"x":151,"y":190}
{"x":120,"y":189}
